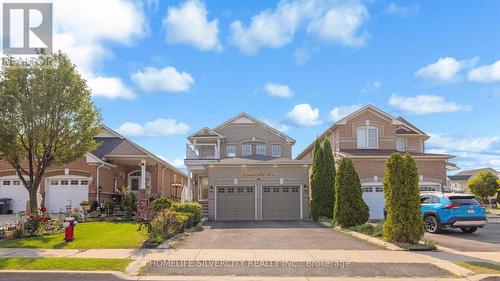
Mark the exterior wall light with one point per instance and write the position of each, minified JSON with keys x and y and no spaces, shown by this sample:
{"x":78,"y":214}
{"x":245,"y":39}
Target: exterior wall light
{"x":305,"y":187}
{"x":211,"y":188}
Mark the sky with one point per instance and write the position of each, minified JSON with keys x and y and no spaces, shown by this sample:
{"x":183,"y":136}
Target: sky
{"x":161,"y":70}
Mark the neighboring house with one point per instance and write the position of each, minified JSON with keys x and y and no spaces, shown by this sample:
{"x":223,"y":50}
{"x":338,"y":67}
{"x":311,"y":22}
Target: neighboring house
{"x":458,"y":182}
{"x":242,"y":170}
{"x":115,"y":163}
{"x":369,"y":136}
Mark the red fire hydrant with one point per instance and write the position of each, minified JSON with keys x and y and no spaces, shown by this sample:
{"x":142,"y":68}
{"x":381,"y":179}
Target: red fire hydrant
{"x":69,"y":229}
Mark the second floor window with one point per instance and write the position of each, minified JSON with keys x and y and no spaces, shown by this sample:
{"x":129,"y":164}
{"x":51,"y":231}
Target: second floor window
{"x":400,"y":144}
{"x":260,"y":149}
{"x":246,"y":150}
{"x":276,"y":150}
{"x":231,"y":151}
{"x":367,"y":137}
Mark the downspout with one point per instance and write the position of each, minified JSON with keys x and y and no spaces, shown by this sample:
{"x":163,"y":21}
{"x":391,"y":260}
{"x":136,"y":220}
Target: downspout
{"x":97,"y":185}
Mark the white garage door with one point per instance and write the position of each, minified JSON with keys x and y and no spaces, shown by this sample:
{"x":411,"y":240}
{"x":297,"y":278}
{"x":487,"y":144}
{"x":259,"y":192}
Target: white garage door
{"x":13,"y":188}
{"x":374,"y":198}
{"x":63,"y":193}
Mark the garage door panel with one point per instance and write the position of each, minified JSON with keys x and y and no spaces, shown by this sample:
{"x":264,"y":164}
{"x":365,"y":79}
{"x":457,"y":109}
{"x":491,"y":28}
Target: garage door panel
{"x":63,"y":192}
{"x":280,"y":203}
{"x":235,"y":203}
{"x":373,"y":195}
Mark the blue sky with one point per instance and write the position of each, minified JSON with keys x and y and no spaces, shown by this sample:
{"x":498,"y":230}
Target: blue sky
{"x":162,"y":70}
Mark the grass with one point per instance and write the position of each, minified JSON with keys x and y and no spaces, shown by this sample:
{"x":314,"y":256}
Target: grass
{"x":480,"y":267}
{"x":64,"y":264}
{"x":89,"y":235}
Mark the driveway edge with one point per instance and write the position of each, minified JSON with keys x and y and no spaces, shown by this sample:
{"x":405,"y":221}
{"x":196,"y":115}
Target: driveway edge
{"x":370,"y":239}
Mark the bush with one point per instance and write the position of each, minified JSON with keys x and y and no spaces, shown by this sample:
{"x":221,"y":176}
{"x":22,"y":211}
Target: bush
{"x":18,"y":233}
{"x":316,"y":181}
{"x":370,"y":229}
{"x":33,"y":226}
{"x":328,"y":185}
{"x":350,"y":209}
{"x":193,"y":208}
{"x":404,"y":223}
{"x":161,"y":203}
{"x":129,"y":204}
{"x":166,"y":224}
{"x":79,"y":217}
{"x":188,"y":219}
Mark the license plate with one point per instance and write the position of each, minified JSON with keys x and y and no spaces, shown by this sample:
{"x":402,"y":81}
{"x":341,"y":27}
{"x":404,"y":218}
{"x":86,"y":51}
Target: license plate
{"x":470,"y":211}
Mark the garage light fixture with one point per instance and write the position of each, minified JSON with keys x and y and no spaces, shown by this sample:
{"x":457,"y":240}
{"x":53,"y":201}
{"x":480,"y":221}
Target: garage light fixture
{"x":211,"y":188}
{"x":305,"y":187}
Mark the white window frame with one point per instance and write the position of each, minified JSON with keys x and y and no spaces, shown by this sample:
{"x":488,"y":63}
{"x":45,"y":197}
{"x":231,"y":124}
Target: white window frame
{"x":399,"y":142}
{"x":262,"y":148}
{"x":367,"y":140}
{"x":278,"y":146}
{"x":229,"y":147}
{"x":246,"y":150}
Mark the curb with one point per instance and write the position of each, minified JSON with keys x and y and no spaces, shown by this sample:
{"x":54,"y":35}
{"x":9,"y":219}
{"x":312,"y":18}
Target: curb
{"x":114,"y":273}
{"x":134,"y":268}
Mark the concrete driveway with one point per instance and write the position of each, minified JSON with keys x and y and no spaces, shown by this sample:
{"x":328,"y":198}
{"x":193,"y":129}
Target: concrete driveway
{"x":485,"y":239}
{"x":279,"y":235}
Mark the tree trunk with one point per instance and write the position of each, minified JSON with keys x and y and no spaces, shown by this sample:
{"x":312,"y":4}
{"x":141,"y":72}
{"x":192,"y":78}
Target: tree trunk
{"x":33,"y":200}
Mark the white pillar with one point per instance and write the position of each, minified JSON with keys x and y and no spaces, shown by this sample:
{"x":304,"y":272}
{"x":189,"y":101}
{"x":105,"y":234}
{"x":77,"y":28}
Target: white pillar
{"x":143,"y":174}
{"x":218,"y":149}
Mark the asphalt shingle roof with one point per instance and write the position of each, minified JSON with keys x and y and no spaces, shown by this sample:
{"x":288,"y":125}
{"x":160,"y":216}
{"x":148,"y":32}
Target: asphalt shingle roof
{"x":115,"y":146}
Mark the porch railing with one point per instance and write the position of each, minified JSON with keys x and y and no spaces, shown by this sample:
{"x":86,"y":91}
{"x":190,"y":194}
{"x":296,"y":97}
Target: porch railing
{"x":202,"y":151}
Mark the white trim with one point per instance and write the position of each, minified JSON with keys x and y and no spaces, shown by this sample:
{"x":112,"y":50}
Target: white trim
{"x":300,"y":201}
{"x":216,"y":190}
{"x":243,"y":149}
{"x":255,"y":200}
{"x":367,"y":130}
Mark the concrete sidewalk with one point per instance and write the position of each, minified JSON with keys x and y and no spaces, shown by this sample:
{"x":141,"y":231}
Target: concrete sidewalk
{"x":378,"y":256}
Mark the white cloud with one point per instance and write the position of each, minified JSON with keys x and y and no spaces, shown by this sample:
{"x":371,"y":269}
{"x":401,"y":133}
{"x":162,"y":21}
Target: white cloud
{"x":371,"y":87}
{"x":472,"y":152}
{"x":110,"y":87}
{"x":188,"y":24}
{"x":278,"y":90}
{"x":327,"y":20}
{"x":82,"y":29}
{"x":156,"y":128}
{"x":486,"y":73}
{"x":425,"y":104}
{"x":341,"y":25}
{"x":166,"y":79}
{"x":304,"y":115}
{"x":277,"y":125}
{"x":444,"y":70}
{"x":340,"y":112}
{"x":394,"y":9}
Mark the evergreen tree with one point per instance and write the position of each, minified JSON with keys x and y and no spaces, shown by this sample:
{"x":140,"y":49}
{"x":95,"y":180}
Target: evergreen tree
{"x":316,"y":180}
{"x":349,"y":208}
{"x":402,"y":194}
{"x":328,"y":192}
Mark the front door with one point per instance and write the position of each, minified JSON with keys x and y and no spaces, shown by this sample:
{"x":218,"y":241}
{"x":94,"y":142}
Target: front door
{"x":134,"y":184}
{"x":203,"y":188}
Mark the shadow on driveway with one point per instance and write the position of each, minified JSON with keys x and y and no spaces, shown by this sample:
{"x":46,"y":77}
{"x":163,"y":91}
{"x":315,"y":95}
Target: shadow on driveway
{"x":271,"y":235}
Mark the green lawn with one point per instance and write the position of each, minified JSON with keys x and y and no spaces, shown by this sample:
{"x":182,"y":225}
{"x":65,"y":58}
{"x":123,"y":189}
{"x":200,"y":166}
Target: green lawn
{"x":89,"y":235}
{"x":481,"y":267}
{"x":64,"y":264}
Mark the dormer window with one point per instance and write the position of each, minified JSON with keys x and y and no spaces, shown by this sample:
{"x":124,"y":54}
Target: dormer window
{"x":246,"y":150}
{"x":367,"y":137}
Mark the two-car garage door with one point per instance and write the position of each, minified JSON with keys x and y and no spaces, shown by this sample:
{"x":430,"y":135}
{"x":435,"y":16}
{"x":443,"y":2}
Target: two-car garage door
{"x":241,"y":203}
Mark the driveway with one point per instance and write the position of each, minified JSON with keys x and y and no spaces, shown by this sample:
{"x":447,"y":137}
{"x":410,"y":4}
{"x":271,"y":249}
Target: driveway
{"x":279,"y":235}
{"x":486,"y":239}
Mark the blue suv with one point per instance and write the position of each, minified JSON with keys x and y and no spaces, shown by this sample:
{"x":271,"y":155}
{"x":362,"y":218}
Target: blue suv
{"x":451,"y":210}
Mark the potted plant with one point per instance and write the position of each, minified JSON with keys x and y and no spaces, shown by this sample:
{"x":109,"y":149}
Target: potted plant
{"x":85,"y":205}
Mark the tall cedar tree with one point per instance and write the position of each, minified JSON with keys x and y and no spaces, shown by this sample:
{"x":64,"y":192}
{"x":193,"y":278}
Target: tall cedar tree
{"x":329,"y":181}
{"x":402,"y":200}
{"x":350,"y":209}
{"x":316,"y":180}
{"x":47,"y":118}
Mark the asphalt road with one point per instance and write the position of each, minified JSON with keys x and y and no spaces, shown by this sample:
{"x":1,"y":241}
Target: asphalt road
{"x":276,"y":235}
{"x":485,"y":239}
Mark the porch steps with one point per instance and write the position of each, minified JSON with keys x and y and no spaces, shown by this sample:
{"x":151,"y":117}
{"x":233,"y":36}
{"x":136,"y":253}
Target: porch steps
{"x":204,"y":208}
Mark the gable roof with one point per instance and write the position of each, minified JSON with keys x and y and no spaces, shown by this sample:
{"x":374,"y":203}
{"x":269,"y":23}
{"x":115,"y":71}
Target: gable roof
{"x":116,"y":145}
{"x":395,"y":121}
{"x":475,"y":171}
{"x":205,"y":132}
{"x":244,"y":118}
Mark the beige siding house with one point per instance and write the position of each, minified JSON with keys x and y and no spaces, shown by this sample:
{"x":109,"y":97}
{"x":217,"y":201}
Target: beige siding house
{"x":369,"y":136}
{"x":242,"y":170}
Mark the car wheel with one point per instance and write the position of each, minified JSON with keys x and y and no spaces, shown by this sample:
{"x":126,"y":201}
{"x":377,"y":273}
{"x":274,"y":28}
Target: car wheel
{"x":431,"y":224}
{"x":468,"y":229}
